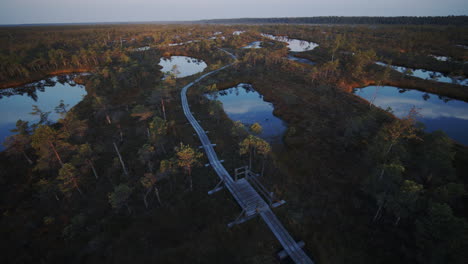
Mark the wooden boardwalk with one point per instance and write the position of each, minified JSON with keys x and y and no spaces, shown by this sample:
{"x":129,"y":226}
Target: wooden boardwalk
{"x":249,"y":200}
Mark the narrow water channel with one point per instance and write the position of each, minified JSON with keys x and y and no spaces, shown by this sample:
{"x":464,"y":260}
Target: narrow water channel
{"x":428,"y":75}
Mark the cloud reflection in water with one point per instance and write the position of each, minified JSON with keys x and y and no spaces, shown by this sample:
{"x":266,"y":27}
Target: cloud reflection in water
{"x":437,"y":113}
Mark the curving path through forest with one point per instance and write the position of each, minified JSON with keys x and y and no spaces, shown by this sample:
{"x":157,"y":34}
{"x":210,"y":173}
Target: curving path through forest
{"x":250,"y":201}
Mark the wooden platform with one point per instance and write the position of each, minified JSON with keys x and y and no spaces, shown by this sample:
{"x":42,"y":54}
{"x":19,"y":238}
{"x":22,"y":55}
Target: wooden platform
{"x":252,"y":203}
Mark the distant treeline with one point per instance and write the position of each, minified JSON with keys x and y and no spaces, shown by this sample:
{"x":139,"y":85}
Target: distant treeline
{"x":403,"y":20}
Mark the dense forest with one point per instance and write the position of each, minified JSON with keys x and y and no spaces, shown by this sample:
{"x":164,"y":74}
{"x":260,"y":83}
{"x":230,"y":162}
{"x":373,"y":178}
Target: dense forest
{"x":120,"y":178}
{"x":448,"y":20}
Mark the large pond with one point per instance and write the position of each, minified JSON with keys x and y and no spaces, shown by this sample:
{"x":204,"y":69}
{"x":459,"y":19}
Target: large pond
{"x":428,"y":75}
{"x":437,"y":112}
{"x":16,"y":103}
{"x":182,"y":66}
{"x":243,"y":103}
{"x":295,"y":45}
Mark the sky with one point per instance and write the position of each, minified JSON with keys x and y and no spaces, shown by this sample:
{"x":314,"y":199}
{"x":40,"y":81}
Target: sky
{"x":76,"y":11}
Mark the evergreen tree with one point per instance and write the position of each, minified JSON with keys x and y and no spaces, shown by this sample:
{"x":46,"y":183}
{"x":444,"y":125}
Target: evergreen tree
{"x":68,"y":179}
{"x":187,"y":158}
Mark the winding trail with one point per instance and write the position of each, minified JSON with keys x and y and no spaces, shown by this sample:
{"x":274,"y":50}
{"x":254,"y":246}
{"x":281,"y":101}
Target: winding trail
{"x":250,"y":201}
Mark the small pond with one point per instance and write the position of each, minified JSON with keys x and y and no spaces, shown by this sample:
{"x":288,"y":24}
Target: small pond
{"x":185,"y":66}
{"x":214,"y":37}
{"x":428,"y":75}
{"x":301,"y":60}
{"x":182,"y":43}
{"x":16,"y":103}
{"x":238,"y":32}
{"x":145,"y":48}
{"x":440,"y":58}
{"x":294,"y":45}
{"x":243,"y":103}
{"x":253,"y":45}
{"x":437,"y":112}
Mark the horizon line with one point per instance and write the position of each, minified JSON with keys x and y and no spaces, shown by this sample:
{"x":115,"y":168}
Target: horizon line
{"x":190,"y":21}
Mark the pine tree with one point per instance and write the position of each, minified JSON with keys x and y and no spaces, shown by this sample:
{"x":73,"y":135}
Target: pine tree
{"x":187,"y":158}
{"x":68,"y":180}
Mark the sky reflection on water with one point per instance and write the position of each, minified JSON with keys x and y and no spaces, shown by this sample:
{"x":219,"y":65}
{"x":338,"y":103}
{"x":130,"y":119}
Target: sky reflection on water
{"x":437,"y":112}
{"x":16,"y":103}
{"x":429,"y":75}
{"x":295,"y":45}
{"x":186,"y":66}
{"x":243,"y":103}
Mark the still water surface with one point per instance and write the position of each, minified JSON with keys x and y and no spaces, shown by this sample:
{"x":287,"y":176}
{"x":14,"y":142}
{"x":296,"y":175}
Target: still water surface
{"x":243,"y":103}
{"x":16,"y":103}
{"x":253,"y":45}
{"x":238,"y":32}
{"x":428,"y":75}
{"x":294,"y":45}
{"x":186,"y":66}
{"x":301,"y":60}
{"x":437,"y":112}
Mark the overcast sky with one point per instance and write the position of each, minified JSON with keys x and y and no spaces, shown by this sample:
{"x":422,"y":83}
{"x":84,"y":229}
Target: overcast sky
{"x":71,"y":11}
